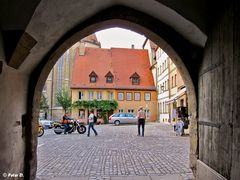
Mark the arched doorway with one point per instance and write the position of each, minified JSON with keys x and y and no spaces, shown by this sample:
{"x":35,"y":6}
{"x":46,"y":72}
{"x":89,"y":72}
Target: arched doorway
{"x":178,"y":49}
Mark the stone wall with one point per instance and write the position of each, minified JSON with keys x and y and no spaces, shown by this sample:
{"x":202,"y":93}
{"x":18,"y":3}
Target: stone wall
{"x":219,"y":96}
{"x":13,"y":97}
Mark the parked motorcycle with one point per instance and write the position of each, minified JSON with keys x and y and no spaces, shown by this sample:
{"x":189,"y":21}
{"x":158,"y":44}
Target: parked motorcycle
{"x":72,"y":126}
{"x":40,"y":130}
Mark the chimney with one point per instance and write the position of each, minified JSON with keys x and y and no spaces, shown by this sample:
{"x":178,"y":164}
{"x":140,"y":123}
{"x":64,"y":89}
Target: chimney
{"x":132,"y":46}
{"x":82,"y":49}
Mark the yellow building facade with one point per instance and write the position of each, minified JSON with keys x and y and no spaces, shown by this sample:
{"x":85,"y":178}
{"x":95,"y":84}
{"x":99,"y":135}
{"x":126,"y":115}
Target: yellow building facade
{"x":131,"y":100}
{"x":87,"y":95}
{"x":128,"y":101}
{"x":177,"y":93}
{"x":101,"y":74}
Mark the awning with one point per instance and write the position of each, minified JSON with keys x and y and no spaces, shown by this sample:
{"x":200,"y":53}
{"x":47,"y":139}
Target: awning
{"x":177,"y":95}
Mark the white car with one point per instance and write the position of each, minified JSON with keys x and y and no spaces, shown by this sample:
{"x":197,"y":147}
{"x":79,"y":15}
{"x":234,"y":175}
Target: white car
{"x":123,"y":118}
{"x":47,"y":124}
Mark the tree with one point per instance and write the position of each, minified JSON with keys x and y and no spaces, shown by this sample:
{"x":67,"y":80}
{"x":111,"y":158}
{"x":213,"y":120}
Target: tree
{"x":103,"y":105}
{"x":64,"y":99}
{"x":44,"y":105}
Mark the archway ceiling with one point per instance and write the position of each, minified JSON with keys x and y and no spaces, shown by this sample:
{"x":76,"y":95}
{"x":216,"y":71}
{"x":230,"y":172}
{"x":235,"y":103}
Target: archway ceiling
{"x":49,"y":20}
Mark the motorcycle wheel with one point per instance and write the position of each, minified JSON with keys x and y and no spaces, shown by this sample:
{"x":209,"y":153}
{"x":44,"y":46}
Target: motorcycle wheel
{"x":81,"y":129}
{"x":40,"y":132}
{"x":58,"y":130}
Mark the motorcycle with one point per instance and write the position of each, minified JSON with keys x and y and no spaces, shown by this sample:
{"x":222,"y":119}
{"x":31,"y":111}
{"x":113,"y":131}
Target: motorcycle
{"x":72,"y":127}
{"x":40,"y":130}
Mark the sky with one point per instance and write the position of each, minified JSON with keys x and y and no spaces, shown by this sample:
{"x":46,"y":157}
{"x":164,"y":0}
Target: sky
{"x":118,"y":37}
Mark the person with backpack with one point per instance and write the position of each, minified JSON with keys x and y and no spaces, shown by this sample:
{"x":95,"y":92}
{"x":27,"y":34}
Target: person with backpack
{"x":91,"y":118}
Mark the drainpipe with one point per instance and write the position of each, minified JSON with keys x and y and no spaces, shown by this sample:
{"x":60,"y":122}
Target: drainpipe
{"x":52,"y":86}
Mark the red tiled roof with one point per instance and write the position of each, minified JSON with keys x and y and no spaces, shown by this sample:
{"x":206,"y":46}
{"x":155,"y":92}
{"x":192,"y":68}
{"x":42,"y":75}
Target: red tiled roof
{"x":122,"y":63}
{"x":134,"y":75}
{"x":93,"y":74}
{"x":109,"y":74}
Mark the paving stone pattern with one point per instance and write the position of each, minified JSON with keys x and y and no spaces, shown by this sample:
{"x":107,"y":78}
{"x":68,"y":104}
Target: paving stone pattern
{"x":116,"y":153}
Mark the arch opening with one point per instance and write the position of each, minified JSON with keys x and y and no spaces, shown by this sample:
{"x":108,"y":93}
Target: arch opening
{"x":181,"y":58}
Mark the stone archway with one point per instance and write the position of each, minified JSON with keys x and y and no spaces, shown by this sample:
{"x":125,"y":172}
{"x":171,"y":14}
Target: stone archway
{"x":179,"y":50}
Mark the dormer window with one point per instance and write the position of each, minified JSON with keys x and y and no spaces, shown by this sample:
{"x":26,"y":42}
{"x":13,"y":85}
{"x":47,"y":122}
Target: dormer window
{"x":109,"y":77}
{"x":93,"y":77}
{"x":135,"y":79}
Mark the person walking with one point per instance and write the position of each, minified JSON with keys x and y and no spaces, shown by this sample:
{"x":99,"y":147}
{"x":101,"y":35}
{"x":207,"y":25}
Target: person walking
{"x":141,"y":120}
{"x":91,"y":123}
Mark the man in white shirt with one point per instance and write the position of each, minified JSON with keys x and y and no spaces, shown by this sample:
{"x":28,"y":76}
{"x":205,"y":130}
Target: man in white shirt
{"x":91,"y":123}
{"x":141,"y":120}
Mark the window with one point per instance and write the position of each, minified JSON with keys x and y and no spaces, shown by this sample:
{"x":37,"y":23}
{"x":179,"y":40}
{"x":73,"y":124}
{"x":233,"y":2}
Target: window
{"x":172,"y":82}
{"x":129,"y":96}
{"x":137,"y":96}
{"x":93,"y":77}
{"x":109,"y":80}
{"x":80,"y":95}
{"x":135,"y":79}
{"x":175,"y":80}
{"x":122,"y":115}
{"x":99,"y":95}
{"x":110,"y":95}
{"x":162,"y":87}
{"x":81,"y":113}
{"x":120,"y":96}
{"x":59,"y":81}
{"x":90,"y":95}
{"x":147,"y":96}
{"x":166,"y":107}
{"x":116,"y":115}
{"x":109,"y":77}
{"x":120,"y":111}
{"x":163,"y":107}
{"x":131,"y":110}
{"x":181,"y":102}
{"x":147,"y":111}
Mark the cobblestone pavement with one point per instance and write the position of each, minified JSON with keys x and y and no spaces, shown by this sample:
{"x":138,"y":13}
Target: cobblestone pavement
{"x":116,"y":153}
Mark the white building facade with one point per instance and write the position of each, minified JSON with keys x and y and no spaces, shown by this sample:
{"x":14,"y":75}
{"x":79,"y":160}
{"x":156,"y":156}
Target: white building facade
{"x":163,"y":85}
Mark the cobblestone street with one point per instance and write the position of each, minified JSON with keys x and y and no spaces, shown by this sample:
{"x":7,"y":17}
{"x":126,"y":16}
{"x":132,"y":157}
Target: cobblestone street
{"x":116,"y":153}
